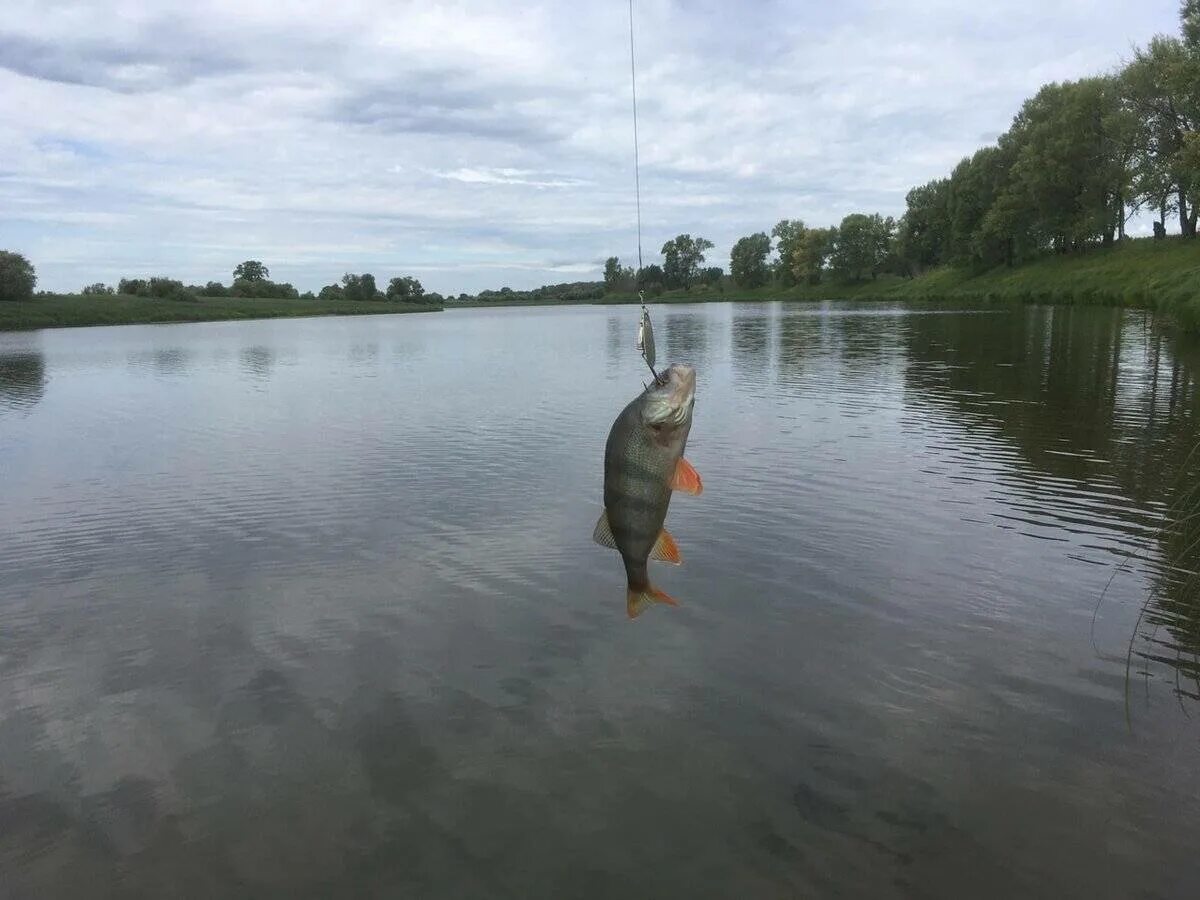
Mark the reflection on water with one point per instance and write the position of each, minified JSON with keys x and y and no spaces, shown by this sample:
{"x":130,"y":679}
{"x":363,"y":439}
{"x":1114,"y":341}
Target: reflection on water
{"x":620,"y":339}
{"x":22,"y":378}
{"x":751,"y":342}
{"x":162,"y":360}
{"x":686,"y":338}
{"x":1102,"y":409}
{"x":258,"y":361}
{"x":349,"y":636}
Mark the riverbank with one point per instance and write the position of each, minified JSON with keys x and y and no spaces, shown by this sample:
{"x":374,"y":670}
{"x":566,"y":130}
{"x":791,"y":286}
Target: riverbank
{"x":72,"y":310}
{"x":1160,"y":275}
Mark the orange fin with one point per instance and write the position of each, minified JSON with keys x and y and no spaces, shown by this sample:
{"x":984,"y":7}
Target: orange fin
{"x":686,"y":478}
{"x":666,"y":549}
{"x":638,"y":601}
{"x":603,"y":534}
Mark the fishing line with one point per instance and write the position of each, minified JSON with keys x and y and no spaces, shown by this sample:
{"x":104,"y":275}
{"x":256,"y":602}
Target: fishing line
{"x":637,"y":178}
{"x":645,"y":340}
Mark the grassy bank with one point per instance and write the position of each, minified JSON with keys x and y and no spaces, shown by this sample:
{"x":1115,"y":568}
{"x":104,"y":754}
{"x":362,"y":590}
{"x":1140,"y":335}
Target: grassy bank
{"x":1162,"y":275}
{"x":65,"y":310}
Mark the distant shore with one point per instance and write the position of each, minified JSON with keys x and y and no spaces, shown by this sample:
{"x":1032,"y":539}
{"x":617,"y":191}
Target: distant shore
{"x":1160,"y":275}
{"x":77,"y":310}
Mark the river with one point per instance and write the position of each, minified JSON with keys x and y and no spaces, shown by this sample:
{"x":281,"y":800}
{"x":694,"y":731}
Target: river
{"x":311,"y":608}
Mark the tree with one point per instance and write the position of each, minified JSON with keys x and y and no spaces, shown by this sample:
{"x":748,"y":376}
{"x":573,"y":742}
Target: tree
{"x":712,"y":276}
{"x":975,"y":185}
{"x":17,"y":276}
{"x":331,"y":292}
{"x":215,"y":289}
{"x":99,"y":289}
{"x":1071,"y":150}
{"x":405,"y":288}
{"x":811,"y":254}
{"x":924,"y":228}
{"x":748,"y":261}
{"x":1162,"y":88}
{"x":682,"y":258}
{"x":251,"y":270}
{"x":789,"y":235}
{"x":651,"y":279}
{"x":359,"y":287}
{"x":612,"y":273}
{"x":1189,"y":20}
{"x":862,"y":246}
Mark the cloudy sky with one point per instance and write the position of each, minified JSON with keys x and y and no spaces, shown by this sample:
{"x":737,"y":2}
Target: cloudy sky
{"x":478,"y":144}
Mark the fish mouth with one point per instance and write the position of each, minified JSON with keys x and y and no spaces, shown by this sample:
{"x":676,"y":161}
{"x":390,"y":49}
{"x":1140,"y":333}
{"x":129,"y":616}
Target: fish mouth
{"x":670,"y":400}
{"x":681,"y":379}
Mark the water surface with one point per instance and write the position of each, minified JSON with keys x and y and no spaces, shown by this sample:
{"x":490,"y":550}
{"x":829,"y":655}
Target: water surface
{"x":310,"y":608}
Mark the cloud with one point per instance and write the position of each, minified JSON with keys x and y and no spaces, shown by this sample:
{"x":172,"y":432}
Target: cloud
{"x":481,"y":139}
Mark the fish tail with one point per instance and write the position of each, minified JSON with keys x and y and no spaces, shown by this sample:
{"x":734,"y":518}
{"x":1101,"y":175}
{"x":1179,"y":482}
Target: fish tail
{"x":638,"y":599}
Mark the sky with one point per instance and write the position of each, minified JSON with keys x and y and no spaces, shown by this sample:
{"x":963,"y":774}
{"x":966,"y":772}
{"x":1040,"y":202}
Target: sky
{"x":481,"y":144}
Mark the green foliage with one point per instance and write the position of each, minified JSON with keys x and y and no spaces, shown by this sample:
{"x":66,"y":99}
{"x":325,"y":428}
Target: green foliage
{"x":251,"y":270}
{"x":789,"y":238}
{"x":406,"y":289}
{"x":652,"y":279}
{"x":17,"y":277}
{"x":711,"y":276}
{"x":359,"y":288}
{"x":99,"y":289}
{"x":612,"y":274}
{"x":159,"y":288}
{"x":862,"y":246}
{"x":1189,"y":21}
{"x":924,"y":229}
{"x":748,"y":261}
{"x":682,"y":258}
{"x":215,"y":289}
{"x":261,"y":289}
{"x":1162,"y":89}
{"x":566,"y":292}
{"x":812,"y":252}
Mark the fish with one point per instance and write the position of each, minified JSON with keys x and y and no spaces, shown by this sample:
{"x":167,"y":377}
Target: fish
{"x":643,"y":466}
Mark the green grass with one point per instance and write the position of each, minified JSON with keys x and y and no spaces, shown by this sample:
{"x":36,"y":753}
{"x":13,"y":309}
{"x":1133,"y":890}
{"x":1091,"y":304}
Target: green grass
{"x":66,"y":310}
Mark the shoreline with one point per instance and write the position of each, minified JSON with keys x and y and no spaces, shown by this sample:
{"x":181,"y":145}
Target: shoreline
{"x":81,"y":311}
{"x":1163,"y":276}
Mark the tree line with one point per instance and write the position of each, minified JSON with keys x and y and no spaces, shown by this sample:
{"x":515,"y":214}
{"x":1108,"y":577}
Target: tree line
{"x":251,"y":279}
{"x":1079,"y":160}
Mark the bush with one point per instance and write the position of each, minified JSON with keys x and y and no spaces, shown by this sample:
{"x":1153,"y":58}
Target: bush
{"x":17,"y":277}
{"x":99,"y":289}
{"x":405,"y":289}
{"x":261,"y":289}
{"x":215,"y":289}
{"x":160,"y":288}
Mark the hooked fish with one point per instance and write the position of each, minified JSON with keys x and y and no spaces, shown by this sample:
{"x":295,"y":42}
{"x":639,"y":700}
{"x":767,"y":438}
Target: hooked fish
{"x":643,"y":466}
